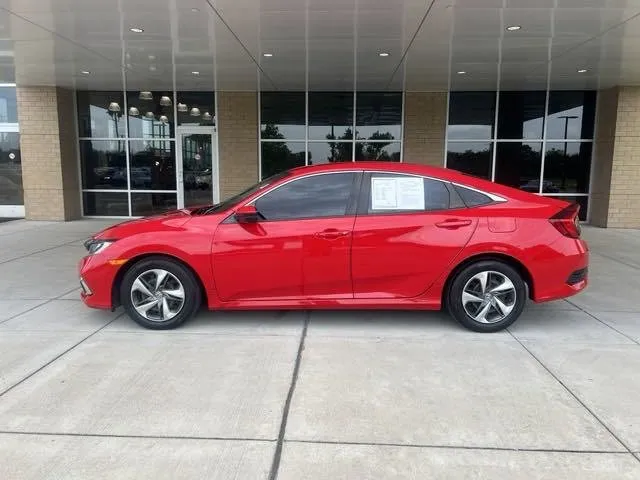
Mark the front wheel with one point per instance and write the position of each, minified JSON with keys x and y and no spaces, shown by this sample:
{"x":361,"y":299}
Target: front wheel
{"x":487,"y":296}
{"x":160,"y":293}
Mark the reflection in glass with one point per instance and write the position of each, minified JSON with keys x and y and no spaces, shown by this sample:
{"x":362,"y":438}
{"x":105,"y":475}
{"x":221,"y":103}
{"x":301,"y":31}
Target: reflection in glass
{"x":330,"y":116}
{"x":471,"y":115}
{"x":571,"y":115}
{"x":378,"y":116}
{"x":151,"y":117}
{"x":379,"y":151}
{"x":152,"y":164}
{"x":280,"y":156}
{"x":114,"y":204}
{"x":282,"y":115}
{"x":473,"y":158}
{"x":583,"y":201}
{"x":204,"y":101}
{"x":321,"y":152}
{"x":11,"y":192}
{"x":8,"y":105}
{"x":197,"y":169}
{"x":521,"y":114}
{"x":518,"y":165}
{"x":143,"y":204}
{"x":567,"y":166}
{"x":95,"y":119}
{"x":103,"y":164}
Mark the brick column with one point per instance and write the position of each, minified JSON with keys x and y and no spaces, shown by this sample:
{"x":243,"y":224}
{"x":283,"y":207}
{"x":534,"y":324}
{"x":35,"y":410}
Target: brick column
{"x":237,"y":141}
{"x":49,"y":153}
{"x":615,"y":192}
{"x":425,"y":123}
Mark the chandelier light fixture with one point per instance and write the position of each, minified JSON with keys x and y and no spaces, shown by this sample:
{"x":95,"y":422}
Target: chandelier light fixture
{"x":195,"y":112}
{"x":149,"y":115}
{"x":134,"y":112}
{"x":165,"y":101}
{"x":145,"y":96}
{"x":114,"y":107}
{"x":182,"y":107}
{"x":164,"y":119}
{"x":207,"y":116}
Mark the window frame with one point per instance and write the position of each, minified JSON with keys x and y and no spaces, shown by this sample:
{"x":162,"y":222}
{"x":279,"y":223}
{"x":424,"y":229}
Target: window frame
{"x":365,"y":196}
{"x":350,"y":211}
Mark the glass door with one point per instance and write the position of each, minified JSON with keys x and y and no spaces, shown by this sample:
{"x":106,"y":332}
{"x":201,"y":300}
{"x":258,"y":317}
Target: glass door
{"x":197,"y":167}
{"x":11,"y":193}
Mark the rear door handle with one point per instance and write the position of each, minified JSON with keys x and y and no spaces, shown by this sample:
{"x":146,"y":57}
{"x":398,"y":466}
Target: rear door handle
{"x":332,"y":234}
{"x":453,"y":223}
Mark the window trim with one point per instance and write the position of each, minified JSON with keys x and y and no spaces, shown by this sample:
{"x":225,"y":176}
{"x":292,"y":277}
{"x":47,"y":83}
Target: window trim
{"x":350,"y":211}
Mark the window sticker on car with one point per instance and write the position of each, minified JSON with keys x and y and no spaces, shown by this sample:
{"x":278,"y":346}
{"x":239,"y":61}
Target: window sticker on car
{"x":397,"y":193}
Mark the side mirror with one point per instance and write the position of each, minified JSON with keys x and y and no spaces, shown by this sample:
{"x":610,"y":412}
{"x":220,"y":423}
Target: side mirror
{"x":247,"y":214}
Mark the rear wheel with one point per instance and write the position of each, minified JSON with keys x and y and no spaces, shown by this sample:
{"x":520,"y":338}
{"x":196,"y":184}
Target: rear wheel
{"x":160,"y":293}
{"x":487,"y":296}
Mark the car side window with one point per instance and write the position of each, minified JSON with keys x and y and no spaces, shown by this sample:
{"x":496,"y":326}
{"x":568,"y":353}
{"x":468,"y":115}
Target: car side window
{"x":406,"y":193}
{"x":471,"y":198}
{"x":316,"y":196}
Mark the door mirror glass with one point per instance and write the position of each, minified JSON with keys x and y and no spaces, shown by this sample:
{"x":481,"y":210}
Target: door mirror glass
{"x":247,"y":214}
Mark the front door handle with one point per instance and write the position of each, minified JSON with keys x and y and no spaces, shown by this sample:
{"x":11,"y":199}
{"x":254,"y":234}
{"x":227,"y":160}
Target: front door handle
{"x":453,"y":223}
{"x":331,"y":234}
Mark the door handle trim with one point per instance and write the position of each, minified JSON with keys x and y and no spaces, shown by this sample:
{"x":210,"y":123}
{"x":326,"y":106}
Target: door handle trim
{"x":453,"y":223}
{"x":331,"y":234}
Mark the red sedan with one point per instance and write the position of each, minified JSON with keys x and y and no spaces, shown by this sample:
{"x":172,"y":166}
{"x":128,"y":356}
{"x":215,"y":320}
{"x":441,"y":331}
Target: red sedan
{"x":352,"y":235}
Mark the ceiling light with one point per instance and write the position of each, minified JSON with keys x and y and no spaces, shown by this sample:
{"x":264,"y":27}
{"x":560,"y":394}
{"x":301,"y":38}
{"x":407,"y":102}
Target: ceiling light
{"x":136,"y":29}
{"x":195,"y":10}
{"x":134,"y":112}
{"x":461,"y":72}
{"x":149,"y":115}
{"x":582,"y":70}
{"x":114,"y":107}
{"x":145,"y":96}
{"x":195,"y":112}
{"x":384,"y":54}
{"x":152,"y":57}
{"x":182,"y":107}
{"x":513,"y":28}
{"x":165,"y":101}
{"x":152,"y":68}
{"x":267,"y":54}
{"x":195,"y":73}
{"x":85,"y":72}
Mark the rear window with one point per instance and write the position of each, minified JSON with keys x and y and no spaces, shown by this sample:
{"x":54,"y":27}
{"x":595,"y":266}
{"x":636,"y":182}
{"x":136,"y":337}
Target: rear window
{"x":471,"y":198}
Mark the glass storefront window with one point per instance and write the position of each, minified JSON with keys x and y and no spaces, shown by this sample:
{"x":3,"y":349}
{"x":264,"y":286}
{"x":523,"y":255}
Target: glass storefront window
{"x":282,"y":115}
{"x":378,"y":151}
{"x":11,"y":192}
{"x":471,"y":115}
{"x":103,"y":164}
{"x":567,"y":166}
{"x":115,"y":204}
{"x":8,"y":105}
{"x":280,"y":156}
{"x":518,"y":165}
{"x":330,"y":152}
{"x":101,"y":114}
{"x":378,"y":116}
{"x":152,"y":164}
{"x":143,"y":204}
{"x":571,"y":115}
{"x":204,"y":105}
{"x":521,"y":115}
{"x":330,"y":116}
{"x":150,"y":114}
{"x":473,"y":158}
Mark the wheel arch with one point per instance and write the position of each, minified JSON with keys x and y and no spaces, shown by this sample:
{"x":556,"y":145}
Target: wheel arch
{"x":499,"y":257}
{"x":117,"y":281}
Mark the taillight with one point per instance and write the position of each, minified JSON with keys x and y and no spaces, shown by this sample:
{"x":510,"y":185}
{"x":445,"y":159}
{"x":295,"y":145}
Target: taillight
{"x":567,"y":222}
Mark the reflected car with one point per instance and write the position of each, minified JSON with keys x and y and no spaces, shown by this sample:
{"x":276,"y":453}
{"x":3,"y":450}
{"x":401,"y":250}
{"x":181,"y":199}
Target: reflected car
{"x":366,"y":235}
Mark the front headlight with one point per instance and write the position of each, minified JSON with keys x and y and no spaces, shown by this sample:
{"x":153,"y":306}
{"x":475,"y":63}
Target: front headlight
{"x":96,"y":246}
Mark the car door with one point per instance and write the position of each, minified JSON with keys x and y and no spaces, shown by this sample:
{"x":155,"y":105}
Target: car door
{"x":299,"y":248}
{"x":407,"y":231}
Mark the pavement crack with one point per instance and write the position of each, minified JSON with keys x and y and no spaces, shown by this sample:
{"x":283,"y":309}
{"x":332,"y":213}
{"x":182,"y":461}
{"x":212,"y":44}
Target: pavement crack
{"x":273,"y":473}
{"x":602,"y":322}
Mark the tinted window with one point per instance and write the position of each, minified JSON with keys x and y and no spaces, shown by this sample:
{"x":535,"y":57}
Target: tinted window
{"x":471,"y":198}
{"x":471,"y":115}
{"x":310,"y":197}
{"x":402,"y":193}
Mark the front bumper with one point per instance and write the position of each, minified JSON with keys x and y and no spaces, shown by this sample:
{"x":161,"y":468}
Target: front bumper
{"x":96,"y":280}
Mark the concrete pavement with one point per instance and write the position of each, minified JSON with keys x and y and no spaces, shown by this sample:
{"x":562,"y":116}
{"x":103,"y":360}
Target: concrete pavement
{"x":322,"y":395}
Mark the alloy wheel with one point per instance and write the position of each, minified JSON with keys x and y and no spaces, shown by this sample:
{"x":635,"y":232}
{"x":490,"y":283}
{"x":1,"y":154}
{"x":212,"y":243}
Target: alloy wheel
{"x":489,"y":297}
{"x":157,"y":295}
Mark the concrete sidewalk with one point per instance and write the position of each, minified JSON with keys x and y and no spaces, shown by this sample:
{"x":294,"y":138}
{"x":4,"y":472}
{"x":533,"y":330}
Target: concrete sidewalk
{"x":326,"y":395}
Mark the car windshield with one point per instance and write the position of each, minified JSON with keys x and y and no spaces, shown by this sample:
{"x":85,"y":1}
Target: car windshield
{"x":232,"y":201}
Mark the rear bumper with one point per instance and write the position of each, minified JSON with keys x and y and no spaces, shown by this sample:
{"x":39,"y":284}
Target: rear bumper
{"x":562,"y":271}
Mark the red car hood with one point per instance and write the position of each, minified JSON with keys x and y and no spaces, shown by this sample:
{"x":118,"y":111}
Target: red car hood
{"x":171,"y":219}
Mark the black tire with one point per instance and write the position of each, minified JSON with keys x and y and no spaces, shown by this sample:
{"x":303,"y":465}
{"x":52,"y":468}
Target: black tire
{"x":456,"y":288}
{"x":192,"y":293}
